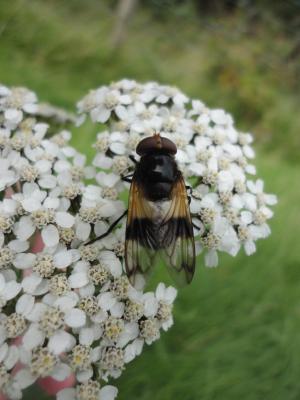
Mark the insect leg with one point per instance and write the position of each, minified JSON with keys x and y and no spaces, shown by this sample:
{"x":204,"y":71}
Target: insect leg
{"x":109,"y":229}
{"x":190,"y":189}
{"x":125,"y":178}
{"x":196,"y":216}
{"x":130,"y":168}
{"x":189,"y":196}
{"x":196,"y":226}
{"x":133,"y":159}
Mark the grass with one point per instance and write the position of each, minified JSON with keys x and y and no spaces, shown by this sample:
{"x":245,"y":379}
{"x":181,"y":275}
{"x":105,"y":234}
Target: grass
{"x":237,"y":327}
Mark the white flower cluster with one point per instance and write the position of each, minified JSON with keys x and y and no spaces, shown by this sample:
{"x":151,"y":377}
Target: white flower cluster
{"x":228,"y":205}
{"x":65,"y":307}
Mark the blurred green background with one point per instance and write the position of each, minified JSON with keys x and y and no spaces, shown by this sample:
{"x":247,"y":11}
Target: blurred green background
{"x":236,"y":333}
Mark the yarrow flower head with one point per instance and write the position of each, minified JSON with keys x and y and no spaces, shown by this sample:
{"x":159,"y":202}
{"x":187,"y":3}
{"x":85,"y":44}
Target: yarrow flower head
{"x":66,"y":294}
{"x":70,"y":301}
{"x":229,"y":207}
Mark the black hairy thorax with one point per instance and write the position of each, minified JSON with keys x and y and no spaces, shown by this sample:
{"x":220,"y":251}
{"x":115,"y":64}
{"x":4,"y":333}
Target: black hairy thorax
{"x":156,"y":173}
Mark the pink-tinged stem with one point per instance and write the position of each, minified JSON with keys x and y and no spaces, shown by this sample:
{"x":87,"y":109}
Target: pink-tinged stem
{"x":51,"y":386}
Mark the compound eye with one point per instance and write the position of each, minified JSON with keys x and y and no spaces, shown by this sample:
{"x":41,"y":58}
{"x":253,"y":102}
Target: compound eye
{"x":156,"y":143}
{"x":146,"y":146}
{"x":169,"y":146}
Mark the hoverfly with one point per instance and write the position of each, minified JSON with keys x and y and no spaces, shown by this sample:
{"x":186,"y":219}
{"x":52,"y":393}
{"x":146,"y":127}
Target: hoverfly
{"x":158,"y":216}
{"x":158,"y":219}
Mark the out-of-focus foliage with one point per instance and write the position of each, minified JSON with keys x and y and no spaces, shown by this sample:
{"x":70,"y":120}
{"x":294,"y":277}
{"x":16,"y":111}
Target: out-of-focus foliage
{"x":285,"y":10}
{"x":245,"y":61}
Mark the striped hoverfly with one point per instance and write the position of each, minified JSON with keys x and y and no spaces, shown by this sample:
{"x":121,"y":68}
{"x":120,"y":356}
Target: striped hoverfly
{"x":159,"y":223}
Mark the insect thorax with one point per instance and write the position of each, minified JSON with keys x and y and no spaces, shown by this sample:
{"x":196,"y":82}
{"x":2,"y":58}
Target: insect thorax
{"x":156,"y":173}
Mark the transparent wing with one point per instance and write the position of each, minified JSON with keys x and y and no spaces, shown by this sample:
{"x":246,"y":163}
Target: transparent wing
{"x":141,"y":241}
{"x":177,"y":238}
